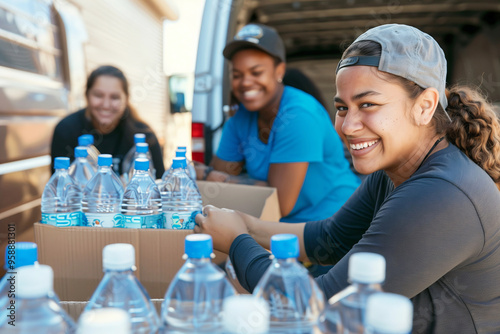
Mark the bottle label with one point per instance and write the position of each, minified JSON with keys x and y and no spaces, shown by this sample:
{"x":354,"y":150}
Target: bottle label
{"x":180,"y":221}
{"x":150,"y":221}
{"x":62,"y":219}
{"x":105,"y":220}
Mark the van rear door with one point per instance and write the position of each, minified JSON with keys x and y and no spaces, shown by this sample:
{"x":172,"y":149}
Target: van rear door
{"x":211,"y":79}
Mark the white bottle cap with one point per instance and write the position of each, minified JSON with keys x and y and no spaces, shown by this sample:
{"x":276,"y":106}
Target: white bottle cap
{"x":246,"y":314}
{"x":118,"y":257}
{"x":368,"y":268}
{"x":389,"y":313}
{"x":35,"y":281}
{"x":104,"y":321}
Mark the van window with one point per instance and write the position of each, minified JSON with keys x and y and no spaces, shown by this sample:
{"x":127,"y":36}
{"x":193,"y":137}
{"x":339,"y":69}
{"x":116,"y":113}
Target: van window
{"x":29,"y":37}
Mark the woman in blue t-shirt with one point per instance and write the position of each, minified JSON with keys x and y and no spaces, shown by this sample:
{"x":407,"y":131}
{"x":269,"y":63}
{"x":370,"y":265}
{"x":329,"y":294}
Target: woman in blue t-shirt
{"x":282,"y":136}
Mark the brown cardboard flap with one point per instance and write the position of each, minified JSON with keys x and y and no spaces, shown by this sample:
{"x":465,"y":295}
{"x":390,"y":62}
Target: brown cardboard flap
{"x":255,"y":200}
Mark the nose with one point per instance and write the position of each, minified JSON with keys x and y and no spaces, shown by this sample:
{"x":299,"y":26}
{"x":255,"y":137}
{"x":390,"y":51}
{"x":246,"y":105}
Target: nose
{"x":351,"y":123}
{"x":246,"y":81}
{"x":106,"y":103}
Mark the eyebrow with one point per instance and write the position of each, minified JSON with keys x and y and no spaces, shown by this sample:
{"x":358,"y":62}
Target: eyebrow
{"x":251,"y":68}
{"x":357,"y":96}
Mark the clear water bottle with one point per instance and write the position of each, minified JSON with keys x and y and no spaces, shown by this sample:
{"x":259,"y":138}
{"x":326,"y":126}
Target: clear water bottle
{"x":93,"y":153}
{"x":102,"y":196}
{"x":119,"y":288}
{"x":181,"y":198}
{"x":194,"y":299}
{"x":106,"y":320}
{"x":81,"y":169}
{"x":346,"y":312}
{"x":17,"y":255}
{"x":61,"y":197}
{"x":294,"y":298}
{"x":35,"y":310}
{"x":128,"y":160}
{"x":181,"y":153}
{"x":142,"y":152}
{"x":245,"y":314}
{"x":388,"y":313}
{"x":142,"y":205}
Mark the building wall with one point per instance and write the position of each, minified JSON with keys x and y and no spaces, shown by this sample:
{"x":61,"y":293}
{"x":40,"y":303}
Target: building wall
{"x":129,"y":34}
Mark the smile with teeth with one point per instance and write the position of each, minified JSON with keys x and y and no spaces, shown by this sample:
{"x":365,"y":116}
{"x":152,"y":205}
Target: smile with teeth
{"x":361,"y":146}
{"x":250,"y":93}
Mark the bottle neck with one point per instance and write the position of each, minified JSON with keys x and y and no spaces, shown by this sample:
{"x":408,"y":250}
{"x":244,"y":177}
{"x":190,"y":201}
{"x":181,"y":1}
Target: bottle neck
{"x":104,"y":169}
{"x":367,"y":286}
{"x":126,"y":272}
{"x":198,"y":261}
{"x":287,"y":261}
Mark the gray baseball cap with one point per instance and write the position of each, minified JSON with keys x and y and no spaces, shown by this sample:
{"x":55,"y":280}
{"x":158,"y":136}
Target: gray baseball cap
{"x":406,"y":52}
{"x":256,"y":36}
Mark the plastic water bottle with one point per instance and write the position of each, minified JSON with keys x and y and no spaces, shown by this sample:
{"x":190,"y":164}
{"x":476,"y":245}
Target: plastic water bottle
{"x":17,"y":255}
{"x":181,"y":198}
{"x":61,"y":197}
{"x":194,"y":299}
{"x":88,"y":142}
{"x":81,"y":169}
{"x":104,"y":321}
{"x":294,"y":298}
{"x":35,"y":311}
{"x":388,"y":313}
{"x":346,"y":312}
{"x":245,"y":314}
{"x":181,"y":153}
{"x":102,"y":196}
{"x":142,"y":151}
{"x":128,"y":160}
{"x":141,"y":205}
{"x":119,"y":288}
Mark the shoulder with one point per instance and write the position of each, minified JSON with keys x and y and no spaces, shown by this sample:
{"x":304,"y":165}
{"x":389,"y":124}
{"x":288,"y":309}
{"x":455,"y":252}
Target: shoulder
{"x":71,"y":124}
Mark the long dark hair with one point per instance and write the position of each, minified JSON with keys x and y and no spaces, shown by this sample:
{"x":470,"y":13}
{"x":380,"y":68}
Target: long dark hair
{"x":474,"y":126}
{"x":112,"y":71}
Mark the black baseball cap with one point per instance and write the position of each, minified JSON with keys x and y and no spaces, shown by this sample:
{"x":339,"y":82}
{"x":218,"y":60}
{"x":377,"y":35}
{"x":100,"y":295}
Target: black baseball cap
{"x":256,"y":36}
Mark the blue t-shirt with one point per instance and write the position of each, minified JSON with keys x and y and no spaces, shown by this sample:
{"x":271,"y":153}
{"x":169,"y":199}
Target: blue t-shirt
{"x":301,"y":132}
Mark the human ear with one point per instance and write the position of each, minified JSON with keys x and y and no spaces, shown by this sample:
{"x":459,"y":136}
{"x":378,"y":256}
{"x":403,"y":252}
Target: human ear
{"x":426,"y":105}
{"x":280,"y":71}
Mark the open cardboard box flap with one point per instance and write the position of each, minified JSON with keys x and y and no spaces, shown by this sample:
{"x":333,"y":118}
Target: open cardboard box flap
{"x":75,"y":253}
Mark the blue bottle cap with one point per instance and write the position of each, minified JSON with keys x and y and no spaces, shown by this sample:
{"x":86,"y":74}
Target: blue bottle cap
{"x":198,"y":246}
{"x":141,"y":164}
{"x":285,"y":246}
{"x":104,"y":160}
{"x":85,"y":140}
{"x":61,"y":163}
{"x":81,"y":152}
{"x":180,"y":153}
{"x":141,"y":147}
{"x":179,"y":163}
{"x":26,"y":253}
{"x":182,"y":148}
{"x":139,"y":138}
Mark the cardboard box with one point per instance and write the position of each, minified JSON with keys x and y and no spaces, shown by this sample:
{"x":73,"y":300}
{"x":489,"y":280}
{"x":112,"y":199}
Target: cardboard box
{"x":75,"y":253}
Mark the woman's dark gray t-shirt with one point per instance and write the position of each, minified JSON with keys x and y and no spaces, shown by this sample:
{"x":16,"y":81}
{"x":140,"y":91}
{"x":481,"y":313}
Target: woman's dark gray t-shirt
{"x":439,"y":232}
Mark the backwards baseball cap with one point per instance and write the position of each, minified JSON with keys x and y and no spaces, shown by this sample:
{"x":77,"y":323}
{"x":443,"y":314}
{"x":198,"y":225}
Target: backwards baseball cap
{"x":406,"y":52}
{"x":256,"y":36}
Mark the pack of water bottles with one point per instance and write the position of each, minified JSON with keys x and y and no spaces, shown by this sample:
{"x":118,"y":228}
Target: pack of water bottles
{"x":201,"y":299}
{"x":84,"y":194}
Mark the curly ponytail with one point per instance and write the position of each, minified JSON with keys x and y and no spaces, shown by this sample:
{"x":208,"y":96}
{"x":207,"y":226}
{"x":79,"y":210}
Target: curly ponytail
{"x":475,"y":129}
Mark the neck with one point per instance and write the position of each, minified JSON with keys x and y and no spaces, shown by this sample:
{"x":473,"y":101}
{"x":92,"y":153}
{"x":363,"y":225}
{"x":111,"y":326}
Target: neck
{"x":269,"y":111}
{"x":407,"y":168}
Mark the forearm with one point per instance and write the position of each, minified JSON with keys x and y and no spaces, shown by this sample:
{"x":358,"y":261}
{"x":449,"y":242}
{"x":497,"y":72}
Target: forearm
{"x":262,"y":231}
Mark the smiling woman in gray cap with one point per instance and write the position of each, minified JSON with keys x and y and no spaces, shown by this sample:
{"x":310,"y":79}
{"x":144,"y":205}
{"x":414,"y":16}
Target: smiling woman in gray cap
{"x":431,"y":205}
{"x":280,"y":134}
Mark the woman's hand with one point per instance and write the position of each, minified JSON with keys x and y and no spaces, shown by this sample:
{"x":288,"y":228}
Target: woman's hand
{"x":223,"y":225}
